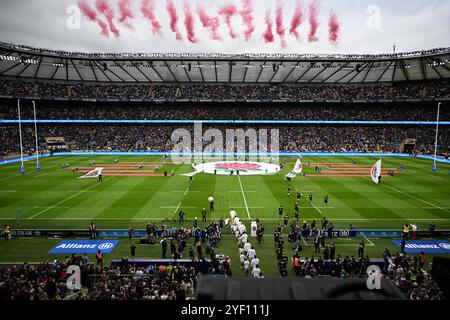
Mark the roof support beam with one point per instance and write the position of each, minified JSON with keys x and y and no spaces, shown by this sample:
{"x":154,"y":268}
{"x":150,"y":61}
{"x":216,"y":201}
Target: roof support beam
{"x":12,"y":67}
{"x":156,"y":71}
{"x":402,"y":67}
{"x":171,"y":73}
{"x":129,"y":74}
{"x":93,"y":71}
{"x":349,"y":73}
{"x":262,"y":68}
{"x":422,"y":69}
{"x":104,"y":73}
{"x":435,"y":69}
{"x":331,"y":75}
{"x":318,"y":74}
{"x":395,"y":70}
{"x":201,"y":72}
{"x":358,"y":72}
{"x":276,"y":71}
{"x":67,"y":69}
{"x":245,"y":72}
{"x":307,"y":70}
{"x":290,"y":72}
{"x":443,"y":65}
{"x":38,"y":67}
{"x":79,"y":75}
{"x":384,"y":71}
{"x":187,"y":74}
{"x":367,"y":73}
{"x":141,"y":72}
{"x":215,"y":70}
{"x":57,"y":68}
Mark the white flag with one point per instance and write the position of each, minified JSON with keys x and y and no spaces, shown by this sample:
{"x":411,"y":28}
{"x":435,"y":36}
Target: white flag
{"x":375,"y":172}
{"x":298,"y":168}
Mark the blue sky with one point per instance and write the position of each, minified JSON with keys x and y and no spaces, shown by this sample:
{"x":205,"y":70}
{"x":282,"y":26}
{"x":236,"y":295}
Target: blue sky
{"x":366,"y":27}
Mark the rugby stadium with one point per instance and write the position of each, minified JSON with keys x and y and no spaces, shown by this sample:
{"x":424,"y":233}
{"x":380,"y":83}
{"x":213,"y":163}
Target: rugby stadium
{"x":176,"y":172}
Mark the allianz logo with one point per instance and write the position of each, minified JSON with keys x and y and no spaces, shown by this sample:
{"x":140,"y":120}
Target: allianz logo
{"x":428,"y":246}
{"x":102,"y":246}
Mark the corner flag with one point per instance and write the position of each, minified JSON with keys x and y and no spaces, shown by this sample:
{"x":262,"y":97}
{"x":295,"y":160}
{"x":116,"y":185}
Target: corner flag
{"x":375,"y":172}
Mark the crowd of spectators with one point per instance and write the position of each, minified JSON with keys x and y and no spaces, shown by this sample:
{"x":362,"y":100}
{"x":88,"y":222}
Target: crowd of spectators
{"x":84,"y":110}
{"x":411,"y":277}
{"x":299,"y":138}
{"x":345,"y":92}
{"x":47,"y":281}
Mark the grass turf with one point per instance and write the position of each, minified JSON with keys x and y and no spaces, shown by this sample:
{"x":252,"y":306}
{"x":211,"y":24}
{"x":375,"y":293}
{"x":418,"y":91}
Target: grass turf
{"x":56,"y":198}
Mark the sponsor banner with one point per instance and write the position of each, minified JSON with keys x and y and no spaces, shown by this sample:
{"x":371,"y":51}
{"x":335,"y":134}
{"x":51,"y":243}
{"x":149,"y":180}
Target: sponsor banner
{"x":379,"y":233}
{"x":436,"y":234}
{"x":48,"y":233}
{"x":427,"y":246}
{"x":84,"y":246}
{"x":233,"y":167}
{"x":93,"y":174}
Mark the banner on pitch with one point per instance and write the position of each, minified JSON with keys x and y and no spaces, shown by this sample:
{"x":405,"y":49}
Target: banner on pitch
{"x":427,"y":246}
{"x":375,"y":172}
{"x":93,"y":174}
{"x":298,"y":168}
{"x":84,"y":246}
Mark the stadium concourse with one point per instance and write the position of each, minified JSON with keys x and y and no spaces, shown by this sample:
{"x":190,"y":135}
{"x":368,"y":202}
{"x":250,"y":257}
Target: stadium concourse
{"x":341,"y":113}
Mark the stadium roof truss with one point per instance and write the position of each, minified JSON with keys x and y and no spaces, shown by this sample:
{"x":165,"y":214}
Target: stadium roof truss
{"x":40,"y":64}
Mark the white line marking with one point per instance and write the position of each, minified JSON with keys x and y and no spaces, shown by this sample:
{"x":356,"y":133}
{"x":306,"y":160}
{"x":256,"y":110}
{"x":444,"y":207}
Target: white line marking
{"x":243,"y":195}
{"x":183,"y":191}
{"x":428,"y":207}
{"x":43,"y":207}
{"x":40,"y":175}
{"x":246,"y":207}
{"x":177,"y":207}
{"x":369,"y":241}
{"x":10,"y":177}
{"x":303,"y":239}
{"x":76,"y":194}
{"x":241,"y":191}
{"x":414,"y":197}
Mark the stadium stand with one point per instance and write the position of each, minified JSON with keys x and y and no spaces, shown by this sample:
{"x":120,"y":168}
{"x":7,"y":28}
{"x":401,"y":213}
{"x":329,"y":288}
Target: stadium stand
{"x":306,"y":88}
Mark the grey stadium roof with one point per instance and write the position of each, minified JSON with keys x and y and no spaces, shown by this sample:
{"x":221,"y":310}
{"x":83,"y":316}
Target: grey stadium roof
{"x":22,"y":62}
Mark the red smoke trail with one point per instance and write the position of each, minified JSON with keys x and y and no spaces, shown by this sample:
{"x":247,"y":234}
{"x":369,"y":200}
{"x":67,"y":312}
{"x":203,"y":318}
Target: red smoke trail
{"x":279,"y":23}
{"x":90,"y":13}
{"x":247,"y":16}
{"x":189,"y":23}
{"x":148,"y":10}
{"x":297,"y":20}
{"x":333,"y":27}
{"x":313,"y":20}
{"x":228,"y":11}
{"x":108,"y":12}
{"x":211,"y":23}
{"x":125,"y":12}
{"x":173,"y":19}
{"x":268,"y":34}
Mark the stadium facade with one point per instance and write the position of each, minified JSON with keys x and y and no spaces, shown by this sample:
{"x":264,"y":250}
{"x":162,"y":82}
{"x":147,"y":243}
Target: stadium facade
{"x":23,"y":62}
